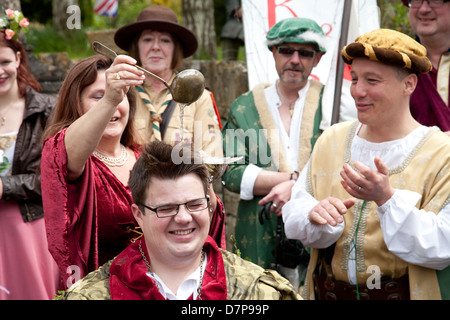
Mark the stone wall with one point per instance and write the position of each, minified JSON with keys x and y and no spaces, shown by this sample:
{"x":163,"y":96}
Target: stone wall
{"x":227,"y":80}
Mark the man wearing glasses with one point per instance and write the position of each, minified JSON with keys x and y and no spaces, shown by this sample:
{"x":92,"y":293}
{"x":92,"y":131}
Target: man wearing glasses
{"x":430,"y":20}
{"x":175,"y":259}
{"x":274,"y":127}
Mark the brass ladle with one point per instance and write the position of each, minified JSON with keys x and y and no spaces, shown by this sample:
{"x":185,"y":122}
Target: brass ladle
{"x":187,"y":86}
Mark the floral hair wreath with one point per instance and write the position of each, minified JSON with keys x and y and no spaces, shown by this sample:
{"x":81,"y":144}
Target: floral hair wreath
{"x":12,"y":22}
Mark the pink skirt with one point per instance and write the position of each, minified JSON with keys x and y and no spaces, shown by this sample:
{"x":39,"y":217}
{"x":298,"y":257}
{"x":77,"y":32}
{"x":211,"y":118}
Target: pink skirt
{"x":27,"y":270}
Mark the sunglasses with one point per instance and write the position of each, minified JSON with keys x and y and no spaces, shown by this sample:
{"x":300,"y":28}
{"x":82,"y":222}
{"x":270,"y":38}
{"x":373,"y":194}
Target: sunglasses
{"x":303,"y":53}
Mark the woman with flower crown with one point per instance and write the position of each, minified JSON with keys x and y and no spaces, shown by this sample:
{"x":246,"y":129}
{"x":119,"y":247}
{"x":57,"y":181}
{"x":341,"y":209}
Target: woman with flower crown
{"x":27,"y":270}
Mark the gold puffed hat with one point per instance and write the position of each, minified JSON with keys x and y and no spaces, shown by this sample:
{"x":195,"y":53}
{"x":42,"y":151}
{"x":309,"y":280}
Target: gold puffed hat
{"x":391,"y":47}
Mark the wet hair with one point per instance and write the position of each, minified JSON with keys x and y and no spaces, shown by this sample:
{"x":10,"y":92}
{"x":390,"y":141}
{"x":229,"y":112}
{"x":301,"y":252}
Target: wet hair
{"x":157,"y":161}
{"x":69,"y":107}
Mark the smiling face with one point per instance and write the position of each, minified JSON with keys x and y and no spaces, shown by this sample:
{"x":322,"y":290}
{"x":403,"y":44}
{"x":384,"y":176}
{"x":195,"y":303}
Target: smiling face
{"x":427,"y":21}
{"x":380,"y":91}
{"x":93,"y":93}
{"x":9,"y":62}
{"x":178,"y":237}
{"x":294,"y":69}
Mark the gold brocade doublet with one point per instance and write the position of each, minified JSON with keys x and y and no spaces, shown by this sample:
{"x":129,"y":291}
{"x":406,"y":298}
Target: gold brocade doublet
{"x":245,"y":281}
{"x":425,"y":171}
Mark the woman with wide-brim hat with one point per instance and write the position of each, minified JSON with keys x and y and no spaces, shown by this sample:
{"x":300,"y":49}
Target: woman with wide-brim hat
{"x":160,"y":43}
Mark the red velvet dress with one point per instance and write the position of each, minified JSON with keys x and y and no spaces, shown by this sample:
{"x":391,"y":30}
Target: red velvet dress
{"x":88,"y":221}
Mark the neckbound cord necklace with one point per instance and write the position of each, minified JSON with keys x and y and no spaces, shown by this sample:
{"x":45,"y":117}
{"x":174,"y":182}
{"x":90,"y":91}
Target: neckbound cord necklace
{"x":199,"y":288}
{"x":114,"y":162}
{"x":354,"y":246}
{"x":290,"y":104}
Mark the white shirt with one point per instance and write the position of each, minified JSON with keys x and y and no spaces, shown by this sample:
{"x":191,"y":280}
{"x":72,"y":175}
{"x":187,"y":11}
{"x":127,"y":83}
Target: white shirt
{"x":187,"y":287}
{"x":416,"y":236}
{"x":290,"y":143}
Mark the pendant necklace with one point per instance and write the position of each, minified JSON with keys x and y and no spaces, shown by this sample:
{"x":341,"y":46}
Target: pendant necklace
{"x":290,"y":104}
{"x":111,"y":161}
{"x":3,"y":118}
{"x":199,"y":288}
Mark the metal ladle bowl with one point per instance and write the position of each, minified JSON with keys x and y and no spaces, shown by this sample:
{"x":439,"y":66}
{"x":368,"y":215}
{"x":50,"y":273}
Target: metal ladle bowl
{"x":187,"y":86}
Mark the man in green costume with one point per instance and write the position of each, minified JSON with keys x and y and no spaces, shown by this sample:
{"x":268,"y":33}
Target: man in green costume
{"x":274,"y":127}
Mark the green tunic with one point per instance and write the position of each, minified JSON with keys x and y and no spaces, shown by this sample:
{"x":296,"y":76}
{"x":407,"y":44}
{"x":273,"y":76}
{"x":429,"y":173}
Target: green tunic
{"x":248,"y":115}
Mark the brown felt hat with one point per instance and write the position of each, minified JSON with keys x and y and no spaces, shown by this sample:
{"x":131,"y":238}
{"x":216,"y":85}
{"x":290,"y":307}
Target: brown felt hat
{"x":391,"y":47}
{"x":158,"y":18}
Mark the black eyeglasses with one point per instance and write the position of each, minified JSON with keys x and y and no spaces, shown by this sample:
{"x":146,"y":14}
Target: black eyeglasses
{"x":302,"y":52}
{"x":170,"y":210}
{"x":431,"y":3}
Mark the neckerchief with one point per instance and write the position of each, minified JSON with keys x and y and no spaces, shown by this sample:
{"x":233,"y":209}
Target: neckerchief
{"x":155,"y":117}
{"x":129,"y":281}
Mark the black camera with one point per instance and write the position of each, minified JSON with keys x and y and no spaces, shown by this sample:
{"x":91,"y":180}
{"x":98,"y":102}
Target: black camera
{"x":288,"y":252}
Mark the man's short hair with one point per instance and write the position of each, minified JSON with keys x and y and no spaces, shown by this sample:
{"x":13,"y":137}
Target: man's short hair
{"x":156,"y":161}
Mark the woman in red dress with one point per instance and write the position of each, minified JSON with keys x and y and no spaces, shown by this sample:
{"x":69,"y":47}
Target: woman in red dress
{"x":89,"y":149}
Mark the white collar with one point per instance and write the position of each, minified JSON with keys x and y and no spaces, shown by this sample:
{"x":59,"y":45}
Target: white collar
{"x":272,"y":93}
{"x":187,"y":287}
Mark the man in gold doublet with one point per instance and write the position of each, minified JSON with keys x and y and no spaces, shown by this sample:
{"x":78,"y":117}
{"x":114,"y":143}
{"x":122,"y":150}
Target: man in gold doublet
{"x":373,"y":200}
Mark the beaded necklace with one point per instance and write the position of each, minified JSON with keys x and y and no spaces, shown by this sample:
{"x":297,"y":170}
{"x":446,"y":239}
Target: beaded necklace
{"x":114,"y":162}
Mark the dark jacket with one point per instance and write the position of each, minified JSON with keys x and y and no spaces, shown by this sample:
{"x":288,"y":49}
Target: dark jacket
{"x":24,"y":183}
{"x":233,"y":28}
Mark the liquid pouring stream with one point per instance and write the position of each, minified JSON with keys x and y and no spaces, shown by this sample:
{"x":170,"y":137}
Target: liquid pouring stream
{"x":187,"y":86}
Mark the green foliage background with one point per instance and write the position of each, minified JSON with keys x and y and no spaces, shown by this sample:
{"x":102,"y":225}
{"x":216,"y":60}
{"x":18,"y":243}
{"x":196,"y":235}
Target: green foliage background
{"x":394,"y":15}
{"x":45,"y":38}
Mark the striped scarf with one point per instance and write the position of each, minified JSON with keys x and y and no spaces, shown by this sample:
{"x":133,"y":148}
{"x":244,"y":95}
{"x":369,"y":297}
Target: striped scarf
{"x":155,"y":117}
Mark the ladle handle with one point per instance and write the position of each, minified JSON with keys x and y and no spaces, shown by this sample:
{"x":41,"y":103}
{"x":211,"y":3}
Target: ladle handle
{"x":107,"y":52}
{"x":155,"y":76}
{"x":104,"y":50}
